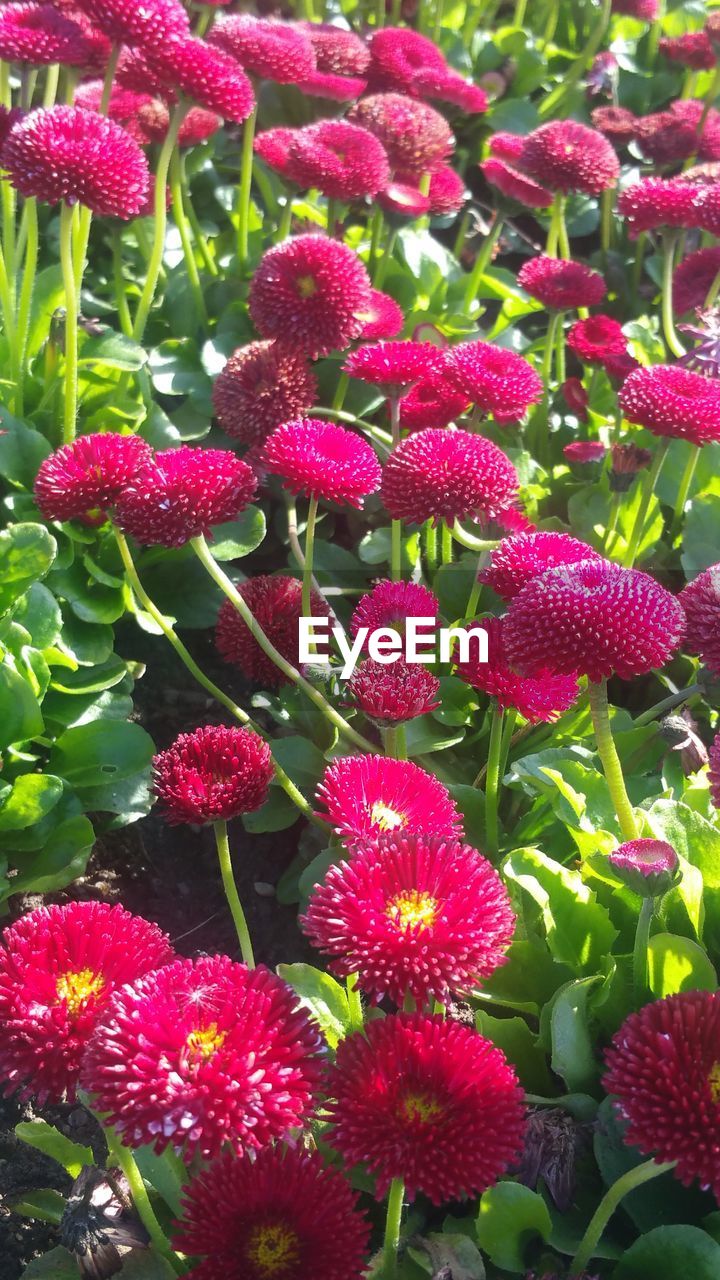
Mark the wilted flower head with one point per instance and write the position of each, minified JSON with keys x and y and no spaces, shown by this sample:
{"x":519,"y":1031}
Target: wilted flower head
{"x":390,"y":694}
{"x":658,"y":202}
{"x":701,"y":601}
{"x":415,"y":136}
{"x":276,"y":605}
{"x":432,"y":402}
{"x":66,"y":153}
{"x":567,"y":156}
{"x":261,"y":386}
{"x":447,"y":475}
{"x":515,"y":185}
{"x":417,"y":915}
{"x":576,"y":397}
{"x":602,"y":78}
{"x":540,"y":698}
{"x":553,"y":1142}
{"x":525,"y":556}
{"x":214,"y":773}
{"x":203,"y":1053}
{"x":181,"y":493}
{"x":82,"y":480}
{"x":390,"y":604}
{"x":323,"y":460}
{"x":559,"y":284}
{"x":427,"y":1101}
{"x":253,"y":1220}
{"x":671,"y":401}
{"x":693,"y":277}
{"x":365,"y":796}
{"x":495,"y":380}
{"x":206,"y":74}
{"x":648,"y":867}
{"x":627,"y":460}
{"x":269,"y":49}
{"x":59,"y":966}
{"x":393,"y":365}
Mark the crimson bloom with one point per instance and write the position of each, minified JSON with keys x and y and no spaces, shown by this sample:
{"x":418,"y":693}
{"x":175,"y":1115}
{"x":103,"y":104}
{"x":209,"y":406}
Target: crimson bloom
{"x":262,"y":385}
{"x":427,"y":1101}
{"x":153,"y":21}
{"x":576,"y":397}
{"x":567,"y":156}
{"x":643,"y":10}
{"x":594,"y":339}
{"x":540,"y":698}
{"x":214,"y":773}
{"x":38,"y":35}
{"x":182,"y":493}
{"x":390,"y":604}
{"x":671,"y":401}
{"x":206,"y":74}
{"x":714,"y":771}
{"x":496,"y":381}
{"x":584,"y":451}
{"x":65,"y":153}
{"x":391,"y":694}
{"x":616,"y":123}
{"x":393,"y":365}
{"x":447,"y":475}
{"x":203,"y":1053}
{"x":58,"y":969}
{"x":272,"y":50}
{"x":592,"y":618}
{"x":323,"y":84}
{"x":662,"y":1069}
{"x":276,"y":605}
{"x":310,"y":291}
{"x":693,"y":277}
{"x":382,"y":317}
{"x":701,"y":601}
{"x":280,"y":1215}
{"x":343,"y":160}
{"x":82,"y":480}
{"x":323,"y":460}
{"x":648,"y":867}
{"x":452,"y":88}
{"x":516,"y":185}
{"x":432,"y":402}
{"x":365,"y":796}
{"x":420,"y":916}
{"x":337,"y":51}
{"x":398,"y":56}
{"x":559,"y":284}
{"x":694,"y":49}
{"x":404,"y":199}
{"x":417,"y":138}
{"x":273,"y":146}
{"x":659,"y":202}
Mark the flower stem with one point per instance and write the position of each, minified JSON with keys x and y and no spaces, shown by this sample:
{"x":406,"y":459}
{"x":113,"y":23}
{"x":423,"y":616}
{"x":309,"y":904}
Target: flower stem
{"x":160,"y":217}
{"x":636,"y":1177}
{"x":482,"y":261}
{"x":67,"y":221}
{"x":684,"y":490}
{"x":610,"y":760}
{"x":671,"y":338}
{"x":285,"y":223}
{"x":392,"y":1229}
{"x":108,"y":81}
{"x":308,"y":566}
{"x":385,"y":260}
{"x":184,"y":231}
{"x":122,"y":1156}
{"x":492,"y":780}
{"x":473,"y":544}
{"x":550,"y":104}
{"x":640,"y":952}
{"x":246,"y":168}
{"x":355,"y":1008}
{"x":651,"y":479}
{"x":606,"y":224}
{"x":231,"y":893}
{"x":431,"y":547}
{"x":25,"y":302}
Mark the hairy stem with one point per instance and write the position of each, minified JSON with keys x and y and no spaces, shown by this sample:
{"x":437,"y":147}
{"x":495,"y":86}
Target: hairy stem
{"x":610,"y":760}
{"x":246,"y":168}
{"x":70,"y":400}
{"x":640,"y":952}
{"x":160,"y":218}
{"x":613,"y":1196}
{"x":392,"y":1229}
{"x":231,"y":894}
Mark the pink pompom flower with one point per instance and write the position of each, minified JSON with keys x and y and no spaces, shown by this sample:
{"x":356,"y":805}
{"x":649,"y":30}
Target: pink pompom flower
{"x":434,"y":401}
{"x":540,"y":698}
{"x":343,"y":160}
{"x":496,"y":381}
{"x":561,"y":285}
{"x":594,"y":339}
{"x":447,"y":475}
{"x":390,"y":604}
{"x":417,"y":138}
{"x":206,"y":74}
{"x":272,"y":50}
{"x":83,"y":480}
{"x":659,"y":202}
{"x":693,"y":277}
{"x":672,"y":401}
{"x":701,"y":601}
{"x":37,"y":34}
{"x":525,"y":556}
{"x":323,"y":460}
{"x":394,"y":366}
{"x":382,"y":317}
{"x":213,"y":774}
{"x":276,"y":605}
{"x":567,"y":156}
{"x":182,"y":493}
{"x":262,"y":385}
{"x":515,"y":185}
{"x":365,"y":796}
{"x":648,"y":867}
{"x":392,"y":694}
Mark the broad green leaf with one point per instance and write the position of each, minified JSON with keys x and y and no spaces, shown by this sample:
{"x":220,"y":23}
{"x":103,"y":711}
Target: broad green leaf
{"x":276,"y":814}
{"x":33,"y":796}
{"x":20,"y":714}
{"x":578,"y":929}
{"x":22,"y":449}
{"x":43,"y":1205}
{"x":58,"y":1264}
{"x":671,"y":1253}
{"x":677,"y":964}
{"x":700,"y":534}
{"x":26,"y":553}
{"x":91,"y":679}
{"x":46,"y":1138}
{"x":39,"y":613}
{"x":146,"y":1264}
{"x":322,"y":996}
{"x":698,"y":841}
{"x":511,"y":1217}
{"x":239,"y":537}
{"x":301,"y":761}
{"x":441,"y":1254}
{"x":571,"y":1037}
{"x":62,"y":858}
{"x":114,"y":350}
{"x":521,"y":1048}
{"x":101,"y":752}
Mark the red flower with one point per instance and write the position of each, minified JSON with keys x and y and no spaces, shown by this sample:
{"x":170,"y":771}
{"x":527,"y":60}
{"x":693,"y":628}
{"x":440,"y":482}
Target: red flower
{"x":693,"y":277}
{"x":417,"y":138}
{"x":584,"y":451}
{"x":525,"y":556}
{"x":273,"y":50}
{"x":665,"y":139}
{"x":594,"y":339}
{"x":65,"y":153}
{"x":124,"y":108}
{"x":417,"y":915}
{"x":648,"y":867}
{"x":663,"y":1071}
{"x":496,"y":381}
{"x":152,"y":22}
{"x":82,"y":480}
{"x":446,"y":192}
{"x":448,"y":86}
{"x":203,"y":1053}
{"x":198,"y":126}
{"x":262,"y":385}
{"x":273,"y":146}
{"x":182,"y":493}
{"x":541,"y":697}
{"x":365,"y":796}
{"x":701,"y":601}
{"x":515,"y":185}
{"x":205,"y":74}
{"x":252,"y":1220}
{"x":395,"y":366}
{"x":337,"y":51}
{"x":643,"y":10}
{"x":344,"y":161}
{"x":616,"y":123}
{"x":659,"y":202}
{"x":432,"y":402}
{"x":404,"y":199}
{"x":430,"y":1102}
{"x":694,"y":49}
{"x":673,"y":402}
{"x":398,"y":56}
{"x":567,"y":156}
{"x":391,"y":694}
{"x":135,"y":72}
{"x":323,"y":84}
{"x":559,"y":285}
{"x":58,"y":968}
{"x":390,"y":604}
{"x":212,"y":773}
{"x":595,"y":619}
{"x":382,"y":318}
{"x":576,"y":397}
{"x":508,"y":147}
{"x":323,"y":460}
{"x":276,"y":604}
{"x":447,"y":475}
{"x":37,"y":34}
{"x":714,"y":772}
{"x":310,"y":291}
{"x":617,"y":368}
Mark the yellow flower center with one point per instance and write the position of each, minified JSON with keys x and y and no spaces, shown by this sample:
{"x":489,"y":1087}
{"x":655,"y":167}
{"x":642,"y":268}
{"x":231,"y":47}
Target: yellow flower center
{"x":420,"y":1108}
{"x":273,"y":1249}
{"x":714,"y":1081}
{"x":306,"y":286}
{"x":382,"y":816}
{"x":76,"y":988}
{"x":413,"y":910}
{"x":204,"y":1042}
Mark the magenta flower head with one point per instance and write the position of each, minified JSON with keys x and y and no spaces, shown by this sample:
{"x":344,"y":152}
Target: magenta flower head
{"x":273,"y":147}
{"x":276,"y":604}
{"x":595,"y":619}
{"x":262,"y":385}
{"x":693,"y":277}
{"x":335,"y":88}
{"x":212,"y":774}
{"x":337,"y":51}
{"x":584,"y":452}
{"x":567,"y":156}
{"x":207,"y":75}
{"x":417,"y":138}
{"x":391,"y":694}
{"x":382,"y":317}
{"x":701,"y":601}
{"x":515,"y":185}
{"x":447,"y":475}
{"x":365,"y":796}
{"x":265,"y":1218}
{"x":540,"y":698}
{"x":432,"y":402}
{"x":427,"y":1101}
{"x":560,"y":285}
{"x":417,"y":915}
{"x":404,"y":199}
{"x":454,"y":89}
{"x":616,"y":123}
{"x":525,"y":556}
{"x":390,"y":604}
{"x":671,"y":401}
{"x":65,"y":153}
{"x":694,"y":49}
{"x":149,"y":23}
{"x":495,"y":380}
{"x":203,"y":1053}
{"x":83,"y":480}
{"x":648,"y":867}
{"x":447,"y":192}
{"x":398,"y":57}
{"x":272,"y":50}
{"x":659,"y":202}
{"x":714,"y":771}
{"x":58,"y":969}
{"x":594,"y":339}
{"x":323,"y":460}
{"x":394,"y":366}
{"x":643,"y":10}
{"x":343,"y":160}
{"x":182,"y":493}
{"x":662,"y":1069}
{"x":37,"y":34}
{"x":310,"y":291}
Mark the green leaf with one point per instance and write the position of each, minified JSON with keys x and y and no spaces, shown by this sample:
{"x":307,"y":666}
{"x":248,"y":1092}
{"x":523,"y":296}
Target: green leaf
{"x":671,"y":1253}
{"x":33,"y":796}
{"x":105,"y":675}
{"x":146,"y":1264}
{"x":521,"y":1048}
{"x":62,"y":858}
{"x":239,"y":537}
{"x":114,"y":350}
{"x":44,"y":1137}
{"x":26,"y":553}
{"x":698,"y":841}
{"x":699,"y":541}
{"x":43,"y":1205}
{"x":301,"y":761}
{"x":101,"y":752}
{"x":447,"y":1253}
{"x":58,"y":1264}
{"x":677,"y":964}
{"x":578,"y":929}
{"x":510,"y":1218}
{"x":39,"y":613}
{"x":277,"y":814}
{"x":571,"y":1038}
{"x":322,"y":996}
{"x":21,"y":450}
{"x":20,"y":714}
{"x":163,"y":1174}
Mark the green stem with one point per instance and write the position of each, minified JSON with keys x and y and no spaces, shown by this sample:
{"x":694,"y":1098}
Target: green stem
{"x":121,"y":301}
{"x":610,"y":759}
{"x":395,"y":525}
{"x":640,"y":952}
{"x":26,"y":292}
{"x":431,"y":547}
{"x":109,"y":77}
{"x":385,"y":259}
{"x":612,"y":523}
{"x":160,"y":219}
{"x":668,"y":704}
{"x":640,"y":247}
{"x":684,"y":490}
{"x":231,"y":893}
{"x":482,"y":261}
{"x":636,"y":1177}
{"x":285,"y":223}
{"x":392,"y":1229}
{"x":492,"y":780}
{"x":120,"y":1155}
{"x":341,"y":391}
{"x":198,"y":234}
{"x":183,"y":226}
{"x":651,"y":478}
{"x":308,"y":566}
{"x":52,"y":80}
{"x":550,"y":104}
{"x":671,"y":338}
{"x":355,"y":1008}
{"x":246,"y":168}
{"x":520,"y":11}
{"x":202,"y":551}
{"x":473,"y":544}
{"x":563,"y":241}
{"x":607,"y":204}
{"x":71,"y":322}
{"x":377,"y":223}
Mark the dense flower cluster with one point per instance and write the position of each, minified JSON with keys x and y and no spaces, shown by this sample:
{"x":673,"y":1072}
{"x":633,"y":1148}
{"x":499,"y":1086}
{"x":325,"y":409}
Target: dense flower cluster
{"x":323,"y":460}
